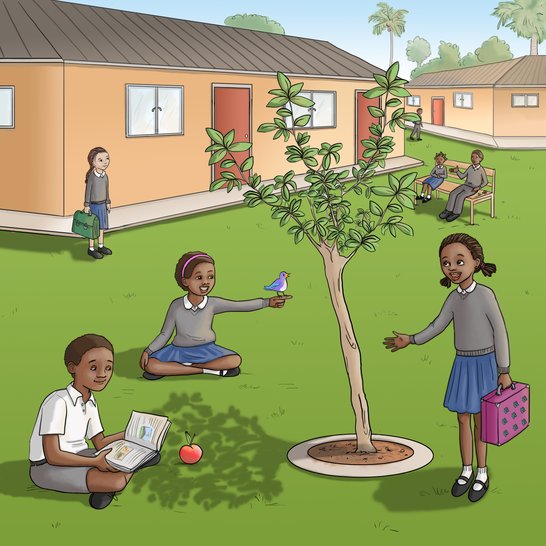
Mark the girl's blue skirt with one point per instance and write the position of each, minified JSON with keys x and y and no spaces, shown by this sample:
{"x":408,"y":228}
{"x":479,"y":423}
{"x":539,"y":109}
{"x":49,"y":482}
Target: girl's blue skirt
{"x":198,"y":354}
{"x":101,"y":213}
{"x":433,"y":181}
{"x":472,"y":377}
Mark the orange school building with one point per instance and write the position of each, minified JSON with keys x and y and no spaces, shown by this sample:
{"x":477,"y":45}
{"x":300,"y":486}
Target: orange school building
{"x":144,"y":87}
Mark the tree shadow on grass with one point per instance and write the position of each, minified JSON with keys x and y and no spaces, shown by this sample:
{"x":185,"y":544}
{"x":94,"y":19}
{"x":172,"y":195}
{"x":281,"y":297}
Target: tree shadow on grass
{"x":240,"y":460}
{"x":15,"y":482}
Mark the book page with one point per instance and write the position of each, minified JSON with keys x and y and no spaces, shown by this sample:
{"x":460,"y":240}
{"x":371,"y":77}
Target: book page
{"x":126,"y":454}
{"x":147,"y":430}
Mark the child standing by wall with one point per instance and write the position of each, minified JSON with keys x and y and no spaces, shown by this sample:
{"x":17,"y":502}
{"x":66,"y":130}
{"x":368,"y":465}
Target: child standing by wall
{"x":482,"y":352}
{"x":437,"y":176}
{"x":59,"y":456}
{"x":417,"y":126}
{"x":193,"y":350}
{"x":97,"y":197}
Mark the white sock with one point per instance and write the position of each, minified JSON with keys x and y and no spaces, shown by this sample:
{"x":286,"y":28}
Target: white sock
{"x":429,"y":196}
{"x":467,"y":472}
{"x":482,"y":476}
{"x":91,"y":248}
{"x":422,"y":195}
{"x":100,"y":245}
{"x":212,"y":372}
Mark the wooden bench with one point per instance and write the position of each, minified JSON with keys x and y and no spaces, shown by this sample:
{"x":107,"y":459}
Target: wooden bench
{"x":487,"y":193}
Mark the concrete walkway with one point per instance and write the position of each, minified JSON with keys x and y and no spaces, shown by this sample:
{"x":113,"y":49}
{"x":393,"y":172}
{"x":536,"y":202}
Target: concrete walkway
{"x":523,"y":143}
{"x":155,"y":211}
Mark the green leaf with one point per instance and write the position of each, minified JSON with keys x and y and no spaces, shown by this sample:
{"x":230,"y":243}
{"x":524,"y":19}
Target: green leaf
{"x":399,"y":92}
{"x":217,"y":156}
{"x":393,"y":182}
{"x":405,"y":228}
{"x":302,"y":121}
{"x":392,"y":72}
{"x":375,"y":92}
{"x":215,"y":135}
{"x":298,"y":236}
{"x":240,"y":146}
{"x":407,"y":180}
{"x":326,"y":162}
{"x":391,"y":103}
{"x":381,"y":80}
{"x":394,"y":219}
{"x":284,"y":112}
{"x":248,"y":163}
{"x":375,"y":209}
{"x":392,"y":230}
{"x":304,"y":102}
{"x":376,"y":112}
{"x":405,"y":201}
{"x":410,"y":116}
{"x":266,"y":127}
{"x":228,"y":175}
{"x":369,"y":247}
{"x":382,"y":191}
{"x":217,"y":184}
{"x":395,"y":207}
{"x":227,"y":164}
{"x":284,"y":82}
{"x":279,"y":122}
{"x":229,"y":137}
{"x":295,"y":90}
{"x":277,"y":101}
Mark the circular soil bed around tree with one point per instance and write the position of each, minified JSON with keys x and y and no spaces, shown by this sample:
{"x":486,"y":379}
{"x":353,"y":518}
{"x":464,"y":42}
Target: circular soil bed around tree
{"x":335,"y":456}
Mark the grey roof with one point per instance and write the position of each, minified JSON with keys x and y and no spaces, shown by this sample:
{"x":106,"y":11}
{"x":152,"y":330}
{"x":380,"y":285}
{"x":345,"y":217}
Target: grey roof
{"x":522,"y":71}
{"x":49,"y":29}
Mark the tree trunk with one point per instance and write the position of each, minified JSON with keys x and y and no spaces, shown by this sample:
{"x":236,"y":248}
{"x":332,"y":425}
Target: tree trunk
{"x":534,"y":44}
{"x":333,"y":268}
{"x":391,"y":33}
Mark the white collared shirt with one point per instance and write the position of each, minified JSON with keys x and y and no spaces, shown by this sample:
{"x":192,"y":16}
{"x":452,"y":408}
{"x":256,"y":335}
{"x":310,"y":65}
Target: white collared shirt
{"x":468,"y":290}
{"x":476,"y":167}
{"x":64,"y":413}
{"x":100,"y":175}
{"x":188,"y":304}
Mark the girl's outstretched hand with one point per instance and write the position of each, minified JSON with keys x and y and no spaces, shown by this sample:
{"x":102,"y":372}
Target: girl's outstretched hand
{"x":394,"y":343}
{"x":144,"y":360}
{"x":278,"y":301}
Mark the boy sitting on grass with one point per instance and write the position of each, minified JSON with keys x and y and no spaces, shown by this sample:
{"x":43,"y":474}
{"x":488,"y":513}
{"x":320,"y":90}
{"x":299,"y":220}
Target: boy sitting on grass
{"x":60,"y":458}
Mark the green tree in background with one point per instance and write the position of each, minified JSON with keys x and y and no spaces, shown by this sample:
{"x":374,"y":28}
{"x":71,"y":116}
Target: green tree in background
{"x":254,"y":22}
{"x":527,"y":18}
{"x":492,"y":50}
{"x":389,"y":19}
{"x":418,"y":50}
{"x":449,"y":57}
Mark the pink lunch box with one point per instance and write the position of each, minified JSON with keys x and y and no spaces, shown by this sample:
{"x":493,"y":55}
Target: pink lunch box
{"x":505,"y":413}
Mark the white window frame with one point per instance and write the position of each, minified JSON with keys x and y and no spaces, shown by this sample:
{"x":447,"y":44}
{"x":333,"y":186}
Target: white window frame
{"x":525,"y":100}
{"x":12,"y":105}
{"x":156,"y":110}
{"x":310,"y":94}
{"x":413,"y":100}
{"x":455,"y":99}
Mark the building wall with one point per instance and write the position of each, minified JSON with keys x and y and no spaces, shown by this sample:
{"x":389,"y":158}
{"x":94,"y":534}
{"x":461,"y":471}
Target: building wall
{"x":479,"y":118}
{"x":32,"y":152}
{"x":157,"y":167}
{"x":525,"y":122}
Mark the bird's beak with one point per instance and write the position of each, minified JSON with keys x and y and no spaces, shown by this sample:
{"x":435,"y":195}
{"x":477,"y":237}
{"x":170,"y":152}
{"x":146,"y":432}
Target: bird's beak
{"x":288,"y":274}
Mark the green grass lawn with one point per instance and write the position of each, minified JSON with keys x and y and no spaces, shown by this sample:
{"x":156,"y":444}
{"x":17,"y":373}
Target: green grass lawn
{"x":293,"y":386}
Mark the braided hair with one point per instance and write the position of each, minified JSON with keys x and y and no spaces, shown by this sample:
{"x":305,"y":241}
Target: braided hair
{"x":475,"y":250}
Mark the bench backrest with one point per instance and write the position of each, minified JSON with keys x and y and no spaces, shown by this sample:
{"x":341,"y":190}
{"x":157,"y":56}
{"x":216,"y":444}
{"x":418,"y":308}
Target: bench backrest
{"x":463,"y":166}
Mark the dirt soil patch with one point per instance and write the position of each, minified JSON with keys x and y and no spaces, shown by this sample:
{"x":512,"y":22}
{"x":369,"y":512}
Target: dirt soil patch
{"x":343,"y":452}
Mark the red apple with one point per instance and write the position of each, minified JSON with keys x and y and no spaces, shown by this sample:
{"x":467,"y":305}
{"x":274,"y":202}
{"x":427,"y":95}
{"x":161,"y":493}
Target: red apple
{"x":190,"y":453}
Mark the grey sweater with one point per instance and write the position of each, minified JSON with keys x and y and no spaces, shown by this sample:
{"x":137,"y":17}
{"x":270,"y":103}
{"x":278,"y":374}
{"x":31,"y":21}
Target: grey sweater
{"x":194,"y":325}
{"x":96,"y":189}
{"x":478,"y":325}
{"x":439,"y":171}
{"x":475,"y":178}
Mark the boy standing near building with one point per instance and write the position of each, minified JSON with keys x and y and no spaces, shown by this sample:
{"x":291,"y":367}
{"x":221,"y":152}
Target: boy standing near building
{"x":417,"y":126}
{"x":60,"y":458}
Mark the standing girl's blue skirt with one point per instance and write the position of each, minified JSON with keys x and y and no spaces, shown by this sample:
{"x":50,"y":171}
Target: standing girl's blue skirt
{"x":100,"y":211}
{"x":472,"y":377}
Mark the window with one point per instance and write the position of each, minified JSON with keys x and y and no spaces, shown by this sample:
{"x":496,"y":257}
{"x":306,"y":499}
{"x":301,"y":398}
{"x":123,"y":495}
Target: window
{"x":414,"y":100}
{"x":323,"y":113}
{"x":462,"y":100}
{"x":153,"y":110}
{"x":524,"y":101}
{"x":6,"y":107}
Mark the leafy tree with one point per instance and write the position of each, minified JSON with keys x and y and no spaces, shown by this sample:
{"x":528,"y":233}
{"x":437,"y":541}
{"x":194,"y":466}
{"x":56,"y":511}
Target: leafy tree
{"x":527,"y":18}
{"x":389,"y":19}
{"x":492,"y":50}
{"x":418,"y":50}
{"x":449,"y":57}
{"x":470,"y":59}
{"x":323,"y":214}
{"x":254,"y":22}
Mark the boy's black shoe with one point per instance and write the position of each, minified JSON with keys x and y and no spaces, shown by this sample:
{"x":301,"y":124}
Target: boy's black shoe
{"x":444,"y":214}
{"x":98,"y":501}
{"x":94,"y":254}
{"x":473,"y":495}
{"x":419,"y":139}
{"x":151,"y":376}
{"x":458,"y":490}
{"x":233,"y":372}
{"x":452,"y":216}
{"x":105,"y":250}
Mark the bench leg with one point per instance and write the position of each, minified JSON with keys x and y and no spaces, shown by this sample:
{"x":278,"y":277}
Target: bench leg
{"x":471,"y":213}
{"x":492,"y":207}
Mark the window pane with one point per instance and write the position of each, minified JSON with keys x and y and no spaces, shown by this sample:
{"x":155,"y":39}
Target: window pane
{"x":532,"y":100}
{"x":141,"y":112}
{"x":299,"y":111}
{"x":467,"y":100}
{"x":169,"y":102}
{"x":414,"y":100}
{"x":518,"y":100}
{"x":324,"y":114}
{"x":6,"y":107}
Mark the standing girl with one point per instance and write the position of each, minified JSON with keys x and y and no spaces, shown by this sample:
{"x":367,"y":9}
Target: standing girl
{"x":482,"y":352}
{"x":97,"y":197}
{"x":193,"y":349}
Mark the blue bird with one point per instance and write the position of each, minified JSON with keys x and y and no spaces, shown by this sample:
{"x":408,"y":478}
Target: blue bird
{"x":280,"y":284}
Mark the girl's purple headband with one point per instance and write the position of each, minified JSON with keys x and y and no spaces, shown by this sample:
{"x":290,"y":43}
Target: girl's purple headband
{"x":191,"y":258}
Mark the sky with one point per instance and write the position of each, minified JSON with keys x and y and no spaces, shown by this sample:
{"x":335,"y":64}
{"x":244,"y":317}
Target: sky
{"x":345,"y":23}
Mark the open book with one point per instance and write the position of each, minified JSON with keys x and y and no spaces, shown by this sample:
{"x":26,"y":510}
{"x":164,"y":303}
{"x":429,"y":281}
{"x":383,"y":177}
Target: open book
{"x":144,"y":436}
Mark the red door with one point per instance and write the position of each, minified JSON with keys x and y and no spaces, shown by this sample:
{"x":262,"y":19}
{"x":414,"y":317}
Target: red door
{"x":363,"y":120}
{"x":437,"y":111}
{"x":232,"y":111}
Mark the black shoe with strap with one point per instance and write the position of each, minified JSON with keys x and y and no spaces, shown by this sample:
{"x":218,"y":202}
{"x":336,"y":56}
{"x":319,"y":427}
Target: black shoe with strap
{"x":475,"y":495}
{"x":233,"y":372}
{"x":460,"y":489}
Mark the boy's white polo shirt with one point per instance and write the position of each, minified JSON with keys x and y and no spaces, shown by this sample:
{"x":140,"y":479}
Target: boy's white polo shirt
{"x":65,"y":413}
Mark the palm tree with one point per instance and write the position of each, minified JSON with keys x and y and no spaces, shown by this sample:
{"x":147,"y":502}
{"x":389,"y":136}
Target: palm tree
{"x":527,"y":18}
{"x":390,"y":19}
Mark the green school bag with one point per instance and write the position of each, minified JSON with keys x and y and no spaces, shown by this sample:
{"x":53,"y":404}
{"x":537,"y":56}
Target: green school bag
{"x":86,"y":225}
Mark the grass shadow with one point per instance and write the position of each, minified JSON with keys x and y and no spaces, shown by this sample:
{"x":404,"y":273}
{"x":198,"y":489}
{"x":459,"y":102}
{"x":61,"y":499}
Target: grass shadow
{"x":425,"y":490}
{"x":45,"y":244}
{"x":239,"y":466}
{"x":15,"y":482}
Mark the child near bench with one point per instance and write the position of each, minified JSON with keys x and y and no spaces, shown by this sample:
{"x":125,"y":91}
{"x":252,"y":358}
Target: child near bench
{"x":437,"y":176}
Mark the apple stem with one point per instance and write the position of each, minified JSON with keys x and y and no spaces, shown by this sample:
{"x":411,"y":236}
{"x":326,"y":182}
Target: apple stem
{"x":189,"y":438}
